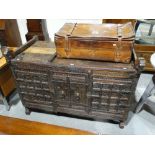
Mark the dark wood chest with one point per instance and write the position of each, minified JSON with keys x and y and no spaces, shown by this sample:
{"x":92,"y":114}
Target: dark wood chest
{"x":90,"y":89}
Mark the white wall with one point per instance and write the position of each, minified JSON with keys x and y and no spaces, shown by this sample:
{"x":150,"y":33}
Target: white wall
{"x":22,"y":29}
{"x":53,"y":25}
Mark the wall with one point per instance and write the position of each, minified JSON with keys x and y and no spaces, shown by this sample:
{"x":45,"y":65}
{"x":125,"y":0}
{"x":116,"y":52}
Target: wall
{"x":53,"y":25}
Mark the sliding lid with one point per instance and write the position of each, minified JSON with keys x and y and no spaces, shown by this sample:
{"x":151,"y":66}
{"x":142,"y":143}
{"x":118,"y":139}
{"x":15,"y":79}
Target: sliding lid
{"x":97,"y":31}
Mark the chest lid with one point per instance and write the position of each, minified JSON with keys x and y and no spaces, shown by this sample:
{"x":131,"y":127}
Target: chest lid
{"x":94,"y":65}
{"x":97,"y":31}
{"x":40,"y":52}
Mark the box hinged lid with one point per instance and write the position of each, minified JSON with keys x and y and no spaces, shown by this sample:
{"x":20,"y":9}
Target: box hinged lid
{"x":97,"y":31}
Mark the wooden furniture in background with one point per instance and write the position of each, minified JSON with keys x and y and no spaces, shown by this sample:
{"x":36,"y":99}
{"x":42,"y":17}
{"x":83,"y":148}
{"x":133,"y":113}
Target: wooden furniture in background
{"x":9,"y":36}
{"x":119,"y":21}
{"x":145,"y":42}
{"x":3,"y":41}
{"x":145,"y":51}
{"x":6,"y":79}
{"x":37,"y":27}
{"x":7,"y":82}
{"x":9,"y":33}
{"x":14,"y":126}
{"x":150,"y":22}
{"x":12,"y":33}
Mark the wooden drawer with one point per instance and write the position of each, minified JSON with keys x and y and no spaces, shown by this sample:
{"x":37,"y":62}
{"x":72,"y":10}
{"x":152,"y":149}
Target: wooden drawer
{"x":145,"y":51}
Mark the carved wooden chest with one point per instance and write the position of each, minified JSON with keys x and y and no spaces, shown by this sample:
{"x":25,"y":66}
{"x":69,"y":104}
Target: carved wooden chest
{"x":90,"y":89}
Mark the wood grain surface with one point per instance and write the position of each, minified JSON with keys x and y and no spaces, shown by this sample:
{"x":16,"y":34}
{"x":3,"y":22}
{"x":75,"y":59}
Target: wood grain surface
{"x":95,"y":42}
{"x":2,"y":62}
{"x":14,"y":126}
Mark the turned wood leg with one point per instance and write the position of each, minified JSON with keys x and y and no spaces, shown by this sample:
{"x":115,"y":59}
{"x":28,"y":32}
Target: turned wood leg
{"x":27,"y":111}
{"x":121,"y":125}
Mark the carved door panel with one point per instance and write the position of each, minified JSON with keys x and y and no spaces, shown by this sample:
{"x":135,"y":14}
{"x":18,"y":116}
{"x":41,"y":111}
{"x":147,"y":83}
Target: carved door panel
{"x":61,"y":91}
{"x":78,"y":94}
{"x":70,"y":89}
{"x":59,"y":86}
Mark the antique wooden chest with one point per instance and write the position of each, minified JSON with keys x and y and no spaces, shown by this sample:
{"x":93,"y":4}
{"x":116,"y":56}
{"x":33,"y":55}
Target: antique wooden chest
{"x":108,"y":42}
{"x":90,"y":89}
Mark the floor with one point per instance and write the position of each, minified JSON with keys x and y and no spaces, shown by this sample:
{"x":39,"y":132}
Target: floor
{"x":16,"y":126}
{"x":142,"y":123}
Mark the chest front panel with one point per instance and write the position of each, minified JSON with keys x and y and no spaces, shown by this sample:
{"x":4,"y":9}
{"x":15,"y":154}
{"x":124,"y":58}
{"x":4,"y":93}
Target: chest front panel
{"x":32,"y":82}
{"x":111,"y":92}
{"x":70,"y":88}
{"x":88,"y":91}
